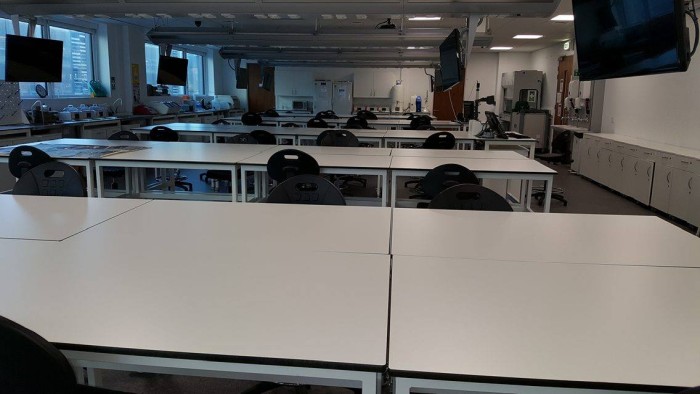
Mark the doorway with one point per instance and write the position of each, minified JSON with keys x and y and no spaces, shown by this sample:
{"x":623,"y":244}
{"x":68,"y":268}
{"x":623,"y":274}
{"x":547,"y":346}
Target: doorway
{"x":446,"y":105}
{"x":566,"y":71}
{"x":259,"y":99}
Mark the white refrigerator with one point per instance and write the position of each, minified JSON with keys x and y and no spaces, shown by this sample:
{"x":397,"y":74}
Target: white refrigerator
{"x":323,"y":95}
{"x":342,"y":97}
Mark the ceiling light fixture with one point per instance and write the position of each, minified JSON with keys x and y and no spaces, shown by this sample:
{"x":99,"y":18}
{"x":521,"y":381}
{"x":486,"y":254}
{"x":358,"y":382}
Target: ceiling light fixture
{"x":425,"y":18}
{"x":501,"y":48}
{"x":528,"y":36}
{"x":563,"y":18}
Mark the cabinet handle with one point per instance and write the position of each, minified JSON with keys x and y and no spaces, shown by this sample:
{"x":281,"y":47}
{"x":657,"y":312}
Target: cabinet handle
{"x":647,"y":153}
{"x":636,"y":164}
{"x":609,"y":159}
{"x":622,"y":163}
{"x":666,"y":157}
{"x":690,"y":183}
{"x":668,"y":178}
{"x":649,"y":171}
{"x":686,"y":162}
{"x":597,"y":154}
{"x":633,"y":150}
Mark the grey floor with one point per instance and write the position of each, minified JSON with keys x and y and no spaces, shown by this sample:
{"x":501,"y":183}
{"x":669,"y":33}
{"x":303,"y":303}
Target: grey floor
{"x":583,"y":196}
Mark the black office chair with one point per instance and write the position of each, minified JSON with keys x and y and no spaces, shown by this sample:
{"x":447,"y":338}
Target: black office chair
{"x":366,"y":115}
{"x":271,"y":113}
{"x":306,"y":189}
{"x":316,"y":123}
{"x":357,"y":123}
{"x":222,"y":175}
{"x":441,"y":178}
{"x":50,"y":179}
{"x":251,"y":119}
{"x":166,"y":134}
{"x":418,"y":121}
{"x":290,"y":124}
{"x":30,"y":364}
{"x":692,"y":390}
{"x":561,"y":154}
{"x":337,"y":137}
{"x":470,"y":197}
{"x":118,"y":172}
{"x":442,"y":140}
{"x":264,"y":137}
{"x":221,"y":122}
{"x":25,"y":157}
{"x":327,"y":115}
{"x":291,"y":162}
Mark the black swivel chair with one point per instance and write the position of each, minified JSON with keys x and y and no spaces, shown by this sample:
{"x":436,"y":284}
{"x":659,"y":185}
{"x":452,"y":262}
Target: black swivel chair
{"x":25,"y":157}
{"x":222,"y":175}
{"x":327,"y":115}
{"x":166,"y":134}
{"x":271,"y":113}
{"x":441,"y":140}
{"x":357,"y":123}
{"x":251,"y":119}
{"x":290,"y":124}
{"x":306,"y":189}
{"x":118,"y":172}
{"x":30,"y":364}
{"x":561,"y":154}
{"x":50,"y":179}
{"x":366,"y":115}
{"x":316,"y":123}
{"x":341,"y":138}
{"x":418,"y":121}
{"x":264,"y":137}
{"x":291,"y":162}
{"x":221,"y":122}
{"x":692,"y":390}
{"x":441,"y":178}
{"x":470,"y":197}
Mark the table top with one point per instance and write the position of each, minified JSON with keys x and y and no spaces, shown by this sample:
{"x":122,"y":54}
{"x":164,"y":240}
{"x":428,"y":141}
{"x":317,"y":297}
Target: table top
{"x":459,"y":153}
{"x":192,"y":152}
{"x":551,"y":237}
{"x":476,"y":165}
{"x":56,"y":218}
{"x":584,"y":323}
{"x":423,"y":134}
{"x":333,"y":157}
{"x":210,"y":128}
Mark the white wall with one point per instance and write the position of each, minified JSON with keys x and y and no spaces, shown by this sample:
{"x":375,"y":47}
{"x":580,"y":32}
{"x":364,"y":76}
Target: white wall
{"x":661,"y":108}
{"x":482,"y":68}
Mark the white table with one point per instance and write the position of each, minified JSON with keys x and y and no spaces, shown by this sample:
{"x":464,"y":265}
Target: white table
{"x":566,"y":238}
{"x":561,"y":127}
{"x":44,"y":218}
{"x":531,"y":328}
{"x":524,"y":170}
{"x":129,"y":294}
{"x":527,"y":143}
{"x":460,"y":154}
{"x":360,"y":161}
{"x":211,"y":132}
{"x":416,"y":137}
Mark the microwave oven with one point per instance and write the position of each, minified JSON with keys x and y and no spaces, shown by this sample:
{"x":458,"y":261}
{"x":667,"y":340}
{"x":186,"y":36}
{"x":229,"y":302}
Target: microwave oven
{"x":300,"y":105}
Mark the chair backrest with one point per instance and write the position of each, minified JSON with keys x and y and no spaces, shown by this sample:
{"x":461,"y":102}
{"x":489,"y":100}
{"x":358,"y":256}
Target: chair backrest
{"x":51,"y":179}
{"x":291,"y":162}
{"x":264,"y":137}
{"x":244,"y":139}
{"x":163,"y":134}
{"x":355,"y":121}
{"x":30,"y":364}
{"x":24,"y":157}
{"x":366,"y":115}
{"x":251,"y":119}
{"x":338,"y":137}
{"x":446,"y":176}
{"x":290,"y":124}
{"x":221,"y":121}
{"x":316,"y":123}
{"x":306,"y":189}
{"x":123,"y":135}
{"x":562,"y":142}
{"x":326,"y":115}
{"x":321,"y":136}
{"x":272,"y":113}
{"x":470,"y":197}
{"x":441,"y":140}
{"x":419,"y":120}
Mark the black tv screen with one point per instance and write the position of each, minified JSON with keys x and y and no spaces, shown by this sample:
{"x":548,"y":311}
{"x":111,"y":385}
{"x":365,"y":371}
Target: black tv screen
{"x":29,"y":59}
{"x":622,"y":38}
{"x":438,"y":81}
{"x":451,"y":60}
{"x":172,"y":71}
{"x":242,"y":78}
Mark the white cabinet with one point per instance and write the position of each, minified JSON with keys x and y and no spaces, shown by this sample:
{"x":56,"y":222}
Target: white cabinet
{"x":589,"y":158}
{"x":100,"y":131}
{"x":637,"y":178}
{"x":681,"y":192}
{"x":661,"y":191}
{"x":578,"y":145}
{"x":291,"y":82}
{"x":374,"y":84}
{"x":694,"y":214}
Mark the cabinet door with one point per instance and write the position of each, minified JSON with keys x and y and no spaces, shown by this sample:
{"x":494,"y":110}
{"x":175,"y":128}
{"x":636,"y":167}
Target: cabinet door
{"x":628,"y":175}
{"x":384,"y":81}
{"x":640,"y":189}
{"x":284,"y":82}
{"x":576,"y":154}
{"x":605,"y":166}
{"x":694,"y":207}
{"x":304,"y":84}
{"x":588,"y":159}
{"x":661,"y":189}
{"x":364,"y":83}
{"x":679,"y":201}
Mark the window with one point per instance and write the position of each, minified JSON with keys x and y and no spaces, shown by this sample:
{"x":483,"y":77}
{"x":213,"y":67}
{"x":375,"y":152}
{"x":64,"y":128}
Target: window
{"x":195,"y":70}
{"x":77,"y":60}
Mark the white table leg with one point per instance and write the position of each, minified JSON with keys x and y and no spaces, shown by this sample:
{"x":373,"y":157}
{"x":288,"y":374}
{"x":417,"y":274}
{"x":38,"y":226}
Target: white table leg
{"x":384,"y":187}
{"x":100,"y":181}
{"x":244,"y":185}
{"x":89,"y":168}
{"x":94,"y":377}
{"x":393,"y":189}
{"x":548,"y":194}
{"x":234,"y":185}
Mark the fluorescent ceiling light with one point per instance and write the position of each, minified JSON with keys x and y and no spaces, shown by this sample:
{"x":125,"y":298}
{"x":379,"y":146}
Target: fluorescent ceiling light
{"x":341,"y":16}
{"x":425,"y":18}
{"x":563,"y":18}
{"x":527,"y":36}
{"x":501,"y":48}
{"x":260,"y":16}
{"x":274,"y":16}
{"x":294,"y":16}
{"x":209,"y":16}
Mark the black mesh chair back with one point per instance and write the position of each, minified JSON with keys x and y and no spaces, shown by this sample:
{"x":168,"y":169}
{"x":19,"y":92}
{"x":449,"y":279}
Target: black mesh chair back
{"x":51,"y":179}
{"x":163,"y":134}
{"x":445,"y":176}
{"x":290,"y":124}
{"x":339,"y":138}
{"x":419,"y":120}
{"x":316,"y":123}
{"x":251,"y":119}
{"x":221,"y":122}
{"x":366,"y":115}
{"x":272,"y":113}
{"x":356,"y":122}
{"x":244,"y":139}
{"x":562,"y":142}
{"x":30,"y":364}
{"x":123,"y":135}
{"x":291,"y":162}
{"x":322,"y":136}
{"x":306,"y":189}
{"x":470,"y":197}
{"x":441,"y":140}
{"x":24,"y":157}
{"x":326,"y":115}
{"x":264,"y":137}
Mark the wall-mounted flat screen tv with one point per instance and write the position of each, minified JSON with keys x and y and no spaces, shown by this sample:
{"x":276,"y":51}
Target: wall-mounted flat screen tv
{"x":29,"y":59}
{"x":622,"y":38}
{"x":172,"y":71}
